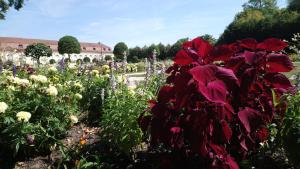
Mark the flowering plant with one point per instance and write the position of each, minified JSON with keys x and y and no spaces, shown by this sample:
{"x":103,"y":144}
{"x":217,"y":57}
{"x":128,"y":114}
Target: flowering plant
{"x":218,"y":102}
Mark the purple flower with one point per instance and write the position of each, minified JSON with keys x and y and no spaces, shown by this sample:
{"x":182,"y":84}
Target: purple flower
{"x":14,"y":70}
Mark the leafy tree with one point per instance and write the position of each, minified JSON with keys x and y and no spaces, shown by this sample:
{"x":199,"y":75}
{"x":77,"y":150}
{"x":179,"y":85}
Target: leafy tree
{"x":5,"y":5}
{"x":119,"y":50}
{"x":37,"y":51}
{"x":107,"y":57}
{"x":68,"y":45}
{"x":209,"y":38}
{"x":86,"y":60}
{"x":134,"y":54}
{"x":294,"y":5}
{"x":151,"y":49}
{"x":262,"y":24}
{"x":260,"y":4}
{"x":176,"y":47}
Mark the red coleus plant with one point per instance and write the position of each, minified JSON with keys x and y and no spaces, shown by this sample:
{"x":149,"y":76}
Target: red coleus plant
{"x":219,"y":112}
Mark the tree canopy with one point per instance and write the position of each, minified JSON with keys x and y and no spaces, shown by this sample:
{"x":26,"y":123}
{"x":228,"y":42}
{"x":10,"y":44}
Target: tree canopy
{"x":6,"y":4}
{"x":294,"y":5}
{"x":260,"y":4}
{"x":119,"y":50}
{"x":68,"y":45}
{"x":262,"y":22}
{"x":37,"y":51}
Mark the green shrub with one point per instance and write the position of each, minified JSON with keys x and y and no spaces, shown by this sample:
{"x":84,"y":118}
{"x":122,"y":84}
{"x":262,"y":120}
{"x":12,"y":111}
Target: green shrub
{"x":120,"y":113}
{"x":79,"y":61}
{"x":140,"y":67}
{"x":108,"y":57}
{"x":52,"y":61}
{"x":95,"y":60}
{"x":291,"y":130}
{"x":91,"y":99}
{"x":86,"y":60}
{"x":39,"y":111}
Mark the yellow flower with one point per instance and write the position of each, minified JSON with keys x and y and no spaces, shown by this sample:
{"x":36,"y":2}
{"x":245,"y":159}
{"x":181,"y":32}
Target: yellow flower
{"x":105,"y":67}
{"x":73,"y":119}
{"x":78,"y":96}
{"x":23,"y":116}
{"x":3,"y":107}
{"x":95,"y":72}
{"x":52,"y":91}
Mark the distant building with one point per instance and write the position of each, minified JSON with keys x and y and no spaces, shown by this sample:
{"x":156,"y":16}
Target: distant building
{"x":12,"y":48}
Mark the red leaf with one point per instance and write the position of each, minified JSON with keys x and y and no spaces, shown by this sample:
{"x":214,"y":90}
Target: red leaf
{"x":221,"y":53}
{"x":202,"y":47}
{"x":248,"y":43}
{"x":226,"y":130}
{"x":248,"y":117}
{"x":175,"y":130}
{"x":272,"y":44}
{"x":216,"y":91}
{"x":262,"y":134}
{"x":204,"y":73}
{"x":277,"y":80}
{"x":182,"y":58}
{"x":232,"y":164}
{"x":279,"y":63}
{"x":165,"y":94}
{"x":227,"y":76}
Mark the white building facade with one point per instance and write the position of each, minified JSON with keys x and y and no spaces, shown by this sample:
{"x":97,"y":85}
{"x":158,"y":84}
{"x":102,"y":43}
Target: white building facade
{"x":12,"y":48}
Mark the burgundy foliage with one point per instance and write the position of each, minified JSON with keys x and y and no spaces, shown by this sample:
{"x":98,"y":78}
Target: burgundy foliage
{"x":219,"y":111}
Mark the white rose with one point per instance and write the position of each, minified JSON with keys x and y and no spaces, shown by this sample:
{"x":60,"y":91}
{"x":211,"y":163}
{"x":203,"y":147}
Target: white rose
{"x":23,"y":116}
{"x":78,"y":96}
{"x":52,"y":91}
{"x":3,"y":107}
{"x":74,"y":119}
{"x":42,"y":79}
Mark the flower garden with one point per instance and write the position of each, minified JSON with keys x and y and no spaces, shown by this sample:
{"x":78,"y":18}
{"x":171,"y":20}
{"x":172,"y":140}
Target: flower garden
{"x":218,"y":107}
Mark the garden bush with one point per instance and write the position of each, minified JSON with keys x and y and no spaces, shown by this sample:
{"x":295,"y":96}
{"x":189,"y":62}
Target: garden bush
{"x":290,"y":132}
{"x":121,"y":110}
{"x":92,"y":99}
{"x":36,"y":112}
{"x":86,"y":60}
{"x":218,"y":103}
{"x":52,"y":61}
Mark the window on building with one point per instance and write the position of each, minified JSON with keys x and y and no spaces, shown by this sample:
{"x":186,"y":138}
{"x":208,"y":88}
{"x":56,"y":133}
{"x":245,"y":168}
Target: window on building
{"x":94,"y":48}
{"x":84,"y":48}
{"x":20,"y":46}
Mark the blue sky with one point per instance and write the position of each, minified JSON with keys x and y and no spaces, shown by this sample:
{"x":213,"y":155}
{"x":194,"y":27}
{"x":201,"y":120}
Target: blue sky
{"x":135,"y":22}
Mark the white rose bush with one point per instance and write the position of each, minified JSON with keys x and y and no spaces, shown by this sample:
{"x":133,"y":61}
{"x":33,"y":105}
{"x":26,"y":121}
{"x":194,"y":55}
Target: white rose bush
{"x":41,"y":105}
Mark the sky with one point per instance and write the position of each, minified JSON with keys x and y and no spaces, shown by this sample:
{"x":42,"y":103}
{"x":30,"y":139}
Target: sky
{"x":135,"y":22}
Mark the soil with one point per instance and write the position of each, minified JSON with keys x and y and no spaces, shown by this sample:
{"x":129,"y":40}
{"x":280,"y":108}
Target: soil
{"x":77,"y":133}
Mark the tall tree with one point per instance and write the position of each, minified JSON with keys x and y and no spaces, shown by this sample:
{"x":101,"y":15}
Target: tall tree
{"x":68,"y":45}
{"x":294,"y":5}
{"x":209,"y":38}
{"x":260,"y":4}
{"x":37,"y":51}
{"x":119,"y":50}
{"x":176,"y":47}
{"x":6,"y":4}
